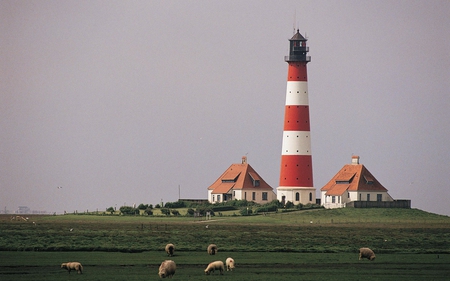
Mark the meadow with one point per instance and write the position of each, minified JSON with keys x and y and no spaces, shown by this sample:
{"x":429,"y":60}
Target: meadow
{"x":304,"y":245}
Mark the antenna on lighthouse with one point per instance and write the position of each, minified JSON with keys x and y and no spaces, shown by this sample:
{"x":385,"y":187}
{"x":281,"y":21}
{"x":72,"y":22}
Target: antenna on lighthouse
{"x":295,"y":20}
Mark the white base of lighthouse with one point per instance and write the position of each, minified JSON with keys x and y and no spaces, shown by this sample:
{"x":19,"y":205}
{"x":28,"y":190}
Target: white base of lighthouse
{"x":296,"y":195}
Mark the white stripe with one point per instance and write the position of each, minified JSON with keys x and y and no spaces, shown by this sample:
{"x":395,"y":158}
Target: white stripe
{"x":297,"y":93}
{"x":296,"y":143}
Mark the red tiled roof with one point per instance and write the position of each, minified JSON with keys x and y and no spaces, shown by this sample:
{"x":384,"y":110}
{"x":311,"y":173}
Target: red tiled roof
{"x":223,"y":188}
{"x":338,"y":190}
{"x":352,"y":177}
{"x":242,"y":177}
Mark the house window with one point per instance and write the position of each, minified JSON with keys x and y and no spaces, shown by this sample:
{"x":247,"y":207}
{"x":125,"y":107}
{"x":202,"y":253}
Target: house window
{"x":213,"y":198}
{"x":218,"y":198}
{"x":264,"y":196}
{"x":253,"y":195}
{"x":379,"y":197}
{"x":368,"y":197}
{"x":297,"y":196}
{"x":310,"y":196}
{"x":333,"y":199}
{"x":245,"y":195}
{"x":339,"y":199}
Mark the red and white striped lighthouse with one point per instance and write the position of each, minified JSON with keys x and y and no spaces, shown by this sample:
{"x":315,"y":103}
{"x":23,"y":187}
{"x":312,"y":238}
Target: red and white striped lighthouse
{"x":296,"y":177}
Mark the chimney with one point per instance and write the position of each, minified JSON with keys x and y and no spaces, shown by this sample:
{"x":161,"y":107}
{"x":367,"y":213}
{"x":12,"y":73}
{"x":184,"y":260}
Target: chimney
{"x":355,"y":159}
{"x":244,"y":159}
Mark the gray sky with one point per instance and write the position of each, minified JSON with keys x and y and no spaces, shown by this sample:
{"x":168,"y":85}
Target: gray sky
{"x":122,"y":102}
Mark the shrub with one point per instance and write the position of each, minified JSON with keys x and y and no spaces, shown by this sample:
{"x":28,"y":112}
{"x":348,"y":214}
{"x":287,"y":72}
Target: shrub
{"x":204,"y":210}
{"x":165,"y":211}
{"x":110,"y":210}
{"x":190,"y":212}
{"x":128,"y":210}
{"x":178,"y":204}
{"x":246,"y":211}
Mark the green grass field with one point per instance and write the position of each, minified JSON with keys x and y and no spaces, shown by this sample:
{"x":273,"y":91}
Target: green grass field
{"x":303,"y":245}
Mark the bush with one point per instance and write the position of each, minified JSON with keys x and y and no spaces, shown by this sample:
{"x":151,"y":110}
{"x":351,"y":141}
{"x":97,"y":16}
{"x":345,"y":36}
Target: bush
{"x":173,"y":205}
{"x":204,"y":210}
{"x":165,"y":211}
{"x":190,"y":212}
{"x":246,"y":211}
{"x":223,"y":208}
{"x":128,"y":210}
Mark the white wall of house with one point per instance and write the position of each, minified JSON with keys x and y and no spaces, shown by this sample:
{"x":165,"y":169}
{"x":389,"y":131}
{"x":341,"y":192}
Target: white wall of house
{"x":249,"y":195}
{"x":330,"y":202}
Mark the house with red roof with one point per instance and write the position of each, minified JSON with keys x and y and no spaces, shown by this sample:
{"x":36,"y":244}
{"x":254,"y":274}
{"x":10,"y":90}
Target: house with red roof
{"x":353,"y":183}
{"x":240,"y":182}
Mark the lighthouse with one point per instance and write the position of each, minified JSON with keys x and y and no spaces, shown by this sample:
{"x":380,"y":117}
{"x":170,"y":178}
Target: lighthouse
{"x":296,"y":176}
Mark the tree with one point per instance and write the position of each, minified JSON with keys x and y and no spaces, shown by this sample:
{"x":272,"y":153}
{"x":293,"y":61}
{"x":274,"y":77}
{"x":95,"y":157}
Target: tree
{"x":142,"y":206}
{"x":148,"y":211}
{"x":165,"y":211}
{"x":110,"y":210}
{"x":128,"y":210}
{"x":190,"y":212}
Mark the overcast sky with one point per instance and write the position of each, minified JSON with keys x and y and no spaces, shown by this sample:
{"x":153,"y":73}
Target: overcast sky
{"x":123,"y":102}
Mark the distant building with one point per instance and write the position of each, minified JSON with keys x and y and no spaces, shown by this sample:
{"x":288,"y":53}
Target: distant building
{"x":240,"y":182}
{"x":23,"y":210}
{"x":353,"y":183}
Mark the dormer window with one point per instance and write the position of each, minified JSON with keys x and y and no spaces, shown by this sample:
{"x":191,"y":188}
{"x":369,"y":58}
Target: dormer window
{"x":345,"y":178}
{"x":369,"y":179}
{"x":255,"y":179}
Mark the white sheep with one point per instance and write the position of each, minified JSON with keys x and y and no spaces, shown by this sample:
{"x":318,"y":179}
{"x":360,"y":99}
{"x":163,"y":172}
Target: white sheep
{"x":73,"y":266}
{"x":167,"y":269}
{"x":230,"y":264}
{"x":366,"y":253}
{"x":170,"y":249}
{"x":212,"y":249}
{"x":215,"y":265}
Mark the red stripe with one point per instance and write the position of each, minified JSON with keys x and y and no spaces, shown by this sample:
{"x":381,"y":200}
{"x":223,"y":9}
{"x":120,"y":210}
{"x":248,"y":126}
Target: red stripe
{"x":296,"y":118}
{"x":296,"y":170}
{"x":297,"y":71}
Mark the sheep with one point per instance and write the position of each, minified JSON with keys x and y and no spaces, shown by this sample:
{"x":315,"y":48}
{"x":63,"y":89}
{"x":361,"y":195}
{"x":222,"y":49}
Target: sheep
{"x":73,"y":266}
{"x":215,"y":265}
{"x":212,"y":249}
{"x":170,"y":249}
{"x":230,"y":264}
{"x":167,"y":269}
{"x":366,"y":253}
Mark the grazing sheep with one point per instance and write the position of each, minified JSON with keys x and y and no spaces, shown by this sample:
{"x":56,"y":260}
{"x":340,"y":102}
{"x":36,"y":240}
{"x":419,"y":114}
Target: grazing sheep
{"x":170,"y":249}
{"x":215,"y":265}
{"x":230,"y":264}
{"x":212,"y":249}
{"x":167,"y":269}
{"x":73,"y":266}
{"x":366,"y":253}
